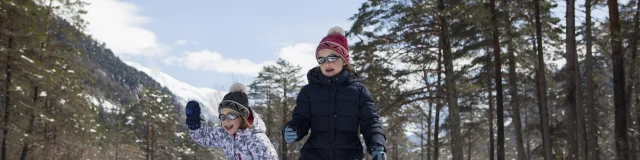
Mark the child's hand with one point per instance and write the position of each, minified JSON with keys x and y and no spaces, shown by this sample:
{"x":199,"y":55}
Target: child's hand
{"x":290,"y":135}
{"x":193,"y":115}
{"x":378,"y":153}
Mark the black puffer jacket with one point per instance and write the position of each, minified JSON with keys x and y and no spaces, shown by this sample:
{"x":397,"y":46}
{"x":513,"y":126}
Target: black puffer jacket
{"x":336,"y":109}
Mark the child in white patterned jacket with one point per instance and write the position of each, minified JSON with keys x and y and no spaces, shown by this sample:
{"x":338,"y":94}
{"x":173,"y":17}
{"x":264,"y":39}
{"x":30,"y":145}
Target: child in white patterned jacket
{"x":242,"y":132}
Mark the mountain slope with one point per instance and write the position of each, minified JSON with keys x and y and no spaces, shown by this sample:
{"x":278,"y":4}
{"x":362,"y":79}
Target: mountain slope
{"x":209,"y":98}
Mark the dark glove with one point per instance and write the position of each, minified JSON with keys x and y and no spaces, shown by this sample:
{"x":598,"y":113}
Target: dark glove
{"x":193,"y":115}
{"x":290,"y":134}
{"x":378,"y":153}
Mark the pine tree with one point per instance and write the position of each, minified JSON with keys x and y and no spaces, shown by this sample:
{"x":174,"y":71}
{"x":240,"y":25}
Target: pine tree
{"x":571,"y":67}
{"x":618,"y":82}
{"x":542,"y":87}
{"x":281,"y":82}
{"x":592,"y":146}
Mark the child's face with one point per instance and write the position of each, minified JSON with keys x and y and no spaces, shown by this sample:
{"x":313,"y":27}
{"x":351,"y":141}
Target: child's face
{"x":328,"y":68}
{"x":230,"y":126}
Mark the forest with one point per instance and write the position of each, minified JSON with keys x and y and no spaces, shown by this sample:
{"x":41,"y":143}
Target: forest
{"x":451,"y":79}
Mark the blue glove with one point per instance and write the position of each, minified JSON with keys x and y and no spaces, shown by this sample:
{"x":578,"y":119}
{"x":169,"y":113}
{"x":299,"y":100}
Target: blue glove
{"x":378,"y":153}
{"x":193,"y":115}
{"x":290,"y":135}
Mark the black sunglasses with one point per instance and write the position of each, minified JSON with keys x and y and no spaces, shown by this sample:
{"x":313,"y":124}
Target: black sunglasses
{"x":230,"y":116}
{"x":331,"y":58}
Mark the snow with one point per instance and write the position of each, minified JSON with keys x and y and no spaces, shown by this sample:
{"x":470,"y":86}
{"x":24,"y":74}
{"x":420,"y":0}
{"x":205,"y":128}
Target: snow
{"x":18,"y":88}
{"x":62,"y":101}
{"x":208,"y":98}
{"x":507,"y":121}
{"x":71,"y":71}
{"x":106,"y":105}
{"x":92,"y":130}
{"x":129,"y":122}
{"x":25,"y":57}
{"x":179,"y":134}
{"x":43,"y":94}
{"x":366,"y":66}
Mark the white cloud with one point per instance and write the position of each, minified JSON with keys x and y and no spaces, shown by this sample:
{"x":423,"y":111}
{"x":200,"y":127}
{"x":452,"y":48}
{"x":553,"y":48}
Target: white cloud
{"x":184,"y":42}
{"x":120,"y":26}
{"x":213,"y":61}
{"x":181,"y":42}
{"x":301,"y":54}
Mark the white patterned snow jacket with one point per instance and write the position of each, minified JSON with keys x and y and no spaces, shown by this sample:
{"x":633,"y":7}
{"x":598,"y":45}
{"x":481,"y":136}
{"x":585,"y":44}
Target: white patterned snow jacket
{"x":249,"y":144}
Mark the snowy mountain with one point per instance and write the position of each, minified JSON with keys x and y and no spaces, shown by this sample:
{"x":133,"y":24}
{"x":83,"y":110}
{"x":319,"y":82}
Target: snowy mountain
{"x":208,"y":98}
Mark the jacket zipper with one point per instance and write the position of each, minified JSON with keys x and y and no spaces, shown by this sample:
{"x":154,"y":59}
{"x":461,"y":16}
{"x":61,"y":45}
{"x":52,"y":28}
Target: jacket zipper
{"x":234,"y":147}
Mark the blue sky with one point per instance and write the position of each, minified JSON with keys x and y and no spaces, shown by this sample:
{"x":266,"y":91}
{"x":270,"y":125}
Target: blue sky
{"x":205,"y":43}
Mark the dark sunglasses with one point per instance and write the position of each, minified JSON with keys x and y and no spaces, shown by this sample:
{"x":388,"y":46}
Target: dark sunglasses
{"x":331,"y":58}
{"x":230,"y":116}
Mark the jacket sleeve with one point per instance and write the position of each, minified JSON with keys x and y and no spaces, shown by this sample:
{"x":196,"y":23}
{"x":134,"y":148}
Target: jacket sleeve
{"x":208,"y":136}
{"x":261,"y":148}
{"x":301,"y":116}
{"x":370,"y":126}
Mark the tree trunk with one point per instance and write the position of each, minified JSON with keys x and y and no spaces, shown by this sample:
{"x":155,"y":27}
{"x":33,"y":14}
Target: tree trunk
{"x":422,"y":118}
{"x":528,"y":144}
{"x":492,"y":150}
{"x":55,"y":148}
{"x":148,"y":142}
{"x":622,"y":139}
{"x":284,"y":121}
{"x":429,"y":131}
{"x":593,"y":151}
{"x":25,"y":144}
{"x":7,"y":98}
{"x":436,"y":125}
{"x":513,"y":87}
{"x":269,"y":113}
{"x":580,"y":109}
{"x":450,"y":80}
{"x":633,"y":82}
{"x":395,"y":148}
{"x":542,"y":88}
{"x":153,"y":140}
{"x":571,"y":119}
{"x":469,"y":147}
{"x":498,"y":79}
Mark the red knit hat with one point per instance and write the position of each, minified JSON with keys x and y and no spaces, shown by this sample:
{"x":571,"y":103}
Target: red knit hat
{"x":337,"y":42}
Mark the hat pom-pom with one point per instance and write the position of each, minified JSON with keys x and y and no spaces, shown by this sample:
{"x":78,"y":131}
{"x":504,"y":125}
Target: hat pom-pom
{"x":336,"y":30}
{"x":238,"y":87}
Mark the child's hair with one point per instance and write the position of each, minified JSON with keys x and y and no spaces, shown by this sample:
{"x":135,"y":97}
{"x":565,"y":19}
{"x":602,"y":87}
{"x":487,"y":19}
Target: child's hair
{"x":244,"y":123}
{"x":350,"y":69}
